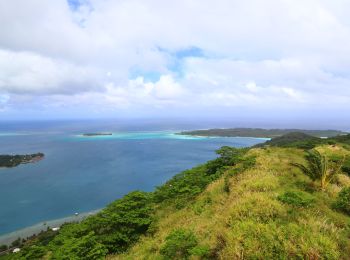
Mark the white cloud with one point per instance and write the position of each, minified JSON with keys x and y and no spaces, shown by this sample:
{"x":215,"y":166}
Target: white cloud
{"x":28,"y":73}
{"x":138,"y":92}
{"x":258,"y":54}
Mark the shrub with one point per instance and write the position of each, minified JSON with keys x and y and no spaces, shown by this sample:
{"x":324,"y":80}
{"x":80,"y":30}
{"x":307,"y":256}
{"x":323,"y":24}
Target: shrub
{"x":229,"y":156}
{"x":184,"y":185}
{"x":342,"y":202}
{"x":122,"y":222}
{"x":296,"y":198}
{"x":16,"y":243}
{"x":3,"y":248}
{"x":248,"y":162}
{"x":201,"y":251}
{"x":180,"y":244}
{"x":112,"y":230}
{"x":84,"y":247}
{"x":33,"y":252}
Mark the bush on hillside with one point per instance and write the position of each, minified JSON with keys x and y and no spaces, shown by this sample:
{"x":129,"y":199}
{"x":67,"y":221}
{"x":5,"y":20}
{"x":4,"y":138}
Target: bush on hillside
{"x":296,"y":198}
{"x":122,"y":222}
{"x":346,"y":167}
{"x":179,"y":244}
{"x":16,"y":243}
{"x":228,"y":156}
{"x":80,"y":247}
{"x":294,"y":139}
{"x":342,"y":202}
{"x":33,"y":252}
{"x":3,"y":248}
{"x":112,"y":230}
{"x":186,"y":185}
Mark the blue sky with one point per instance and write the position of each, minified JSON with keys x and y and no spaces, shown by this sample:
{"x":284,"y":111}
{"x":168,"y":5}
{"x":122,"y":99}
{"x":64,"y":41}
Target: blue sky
{"x":279,"y":60}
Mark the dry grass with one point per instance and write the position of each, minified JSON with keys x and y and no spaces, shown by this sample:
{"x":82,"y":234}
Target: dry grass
{"x":249,"y":221}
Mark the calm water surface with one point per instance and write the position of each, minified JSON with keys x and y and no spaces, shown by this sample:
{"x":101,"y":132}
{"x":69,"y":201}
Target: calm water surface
{"x":81,"y":174}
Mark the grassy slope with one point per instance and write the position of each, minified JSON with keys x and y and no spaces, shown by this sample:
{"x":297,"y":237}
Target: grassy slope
{"x":250,"y":222}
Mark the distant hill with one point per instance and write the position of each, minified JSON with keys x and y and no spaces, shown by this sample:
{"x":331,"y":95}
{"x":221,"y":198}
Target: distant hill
{"x":259,"y":132}
{"x":294,"y":139}
{"x":342,"y":139}
{"x":304,"y":141}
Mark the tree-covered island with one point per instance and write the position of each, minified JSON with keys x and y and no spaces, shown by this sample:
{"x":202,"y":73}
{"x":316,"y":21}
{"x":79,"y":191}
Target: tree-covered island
{"x":9,"y":161}
{"x":259,"y":132}
{"x":96,"y":134}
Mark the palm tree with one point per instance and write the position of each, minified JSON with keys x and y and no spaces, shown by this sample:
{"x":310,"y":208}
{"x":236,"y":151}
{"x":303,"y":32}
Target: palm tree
{"x":319,"y":168}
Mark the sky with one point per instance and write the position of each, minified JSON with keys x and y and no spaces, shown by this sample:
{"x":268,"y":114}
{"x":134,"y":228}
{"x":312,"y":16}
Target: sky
{"x":273,"y":59}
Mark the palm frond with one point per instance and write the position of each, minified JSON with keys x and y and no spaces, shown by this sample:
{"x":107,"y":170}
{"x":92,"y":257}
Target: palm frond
{"x":318,"y":167}
{"x":305,"y":170}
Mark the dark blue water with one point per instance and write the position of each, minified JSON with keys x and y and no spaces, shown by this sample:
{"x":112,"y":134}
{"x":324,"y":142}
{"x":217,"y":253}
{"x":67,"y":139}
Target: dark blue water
{"x":81,"y":174}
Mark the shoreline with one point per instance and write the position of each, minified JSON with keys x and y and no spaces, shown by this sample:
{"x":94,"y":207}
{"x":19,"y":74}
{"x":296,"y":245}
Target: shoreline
{"x":23,"y":233}
{"x":8,"y":238}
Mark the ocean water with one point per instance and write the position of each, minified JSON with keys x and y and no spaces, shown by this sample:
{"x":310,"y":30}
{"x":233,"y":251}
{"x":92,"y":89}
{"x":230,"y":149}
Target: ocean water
{"x":81,"y":174}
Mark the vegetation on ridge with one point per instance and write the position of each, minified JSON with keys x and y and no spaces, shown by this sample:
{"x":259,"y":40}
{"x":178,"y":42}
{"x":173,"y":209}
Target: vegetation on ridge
{"x":246,"y":204}
{"x":259,"y":132}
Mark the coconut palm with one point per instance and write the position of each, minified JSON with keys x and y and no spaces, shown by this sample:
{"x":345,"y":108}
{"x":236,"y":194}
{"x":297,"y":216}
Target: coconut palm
{"x":319,"y":167}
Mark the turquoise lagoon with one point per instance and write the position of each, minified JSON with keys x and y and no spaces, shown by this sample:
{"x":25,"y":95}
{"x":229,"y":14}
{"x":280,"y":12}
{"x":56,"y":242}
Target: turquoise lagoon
{"x":82,"y":174}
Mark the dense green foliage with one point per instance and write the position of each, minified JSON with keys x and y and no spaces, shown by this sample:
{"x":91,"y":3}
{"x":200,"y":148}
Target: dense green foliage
{"x":75,"y":243}
{"x":113,"y":229}
{"x":178,"y":244}
{"x":15,"y":160}
{"x":304,"y":141}
{"x":229,"y":156}
{"x":121,"y":223}
{"x":294,"y":139}
{"x":184,"y":186}
{"x":343,"y":200}
{"x":259,"y":132}
{"x":297,"y":198}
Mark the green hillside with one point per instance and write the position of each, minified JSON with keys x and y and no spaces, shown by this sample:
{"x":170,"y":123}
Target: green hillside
{"x":246,"y":204}
{"x":260,"y":132}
